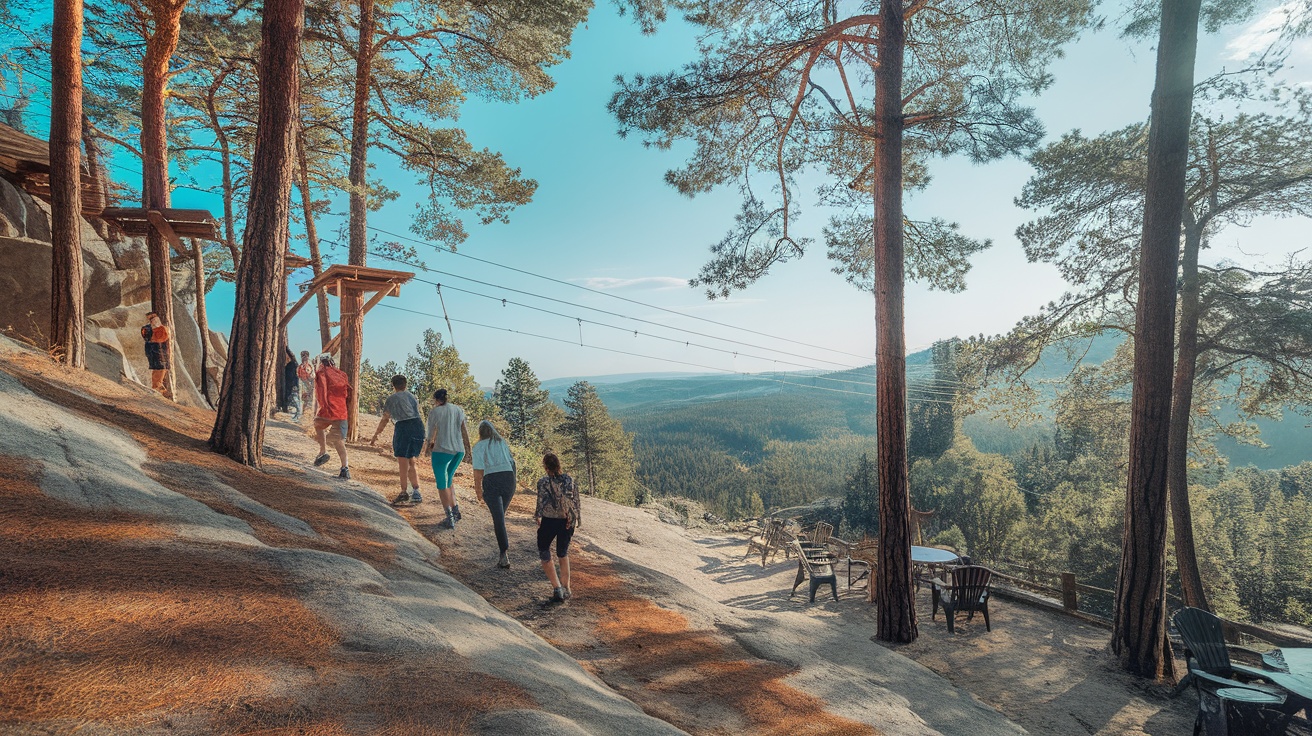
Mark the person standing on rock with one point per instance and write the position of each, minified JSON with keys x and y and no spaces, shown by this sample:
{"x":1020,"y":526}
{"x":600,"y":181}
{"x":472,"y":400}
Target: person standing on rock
{"x":332,"y":391}
{"x":402,"y":408}
{"x":448,"y":443}
{"x":305,"y":374}
{"x":494,"y":481}
{"x":559,"y":513}
{"x":157,"y":338}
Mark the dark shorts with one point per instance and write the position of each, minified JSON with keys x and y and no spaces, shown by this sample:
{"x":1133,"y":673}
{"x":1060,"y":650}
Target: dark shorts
{"x":553,"y":529}
{"x":155,"y":358}
{"x":408,"y":438}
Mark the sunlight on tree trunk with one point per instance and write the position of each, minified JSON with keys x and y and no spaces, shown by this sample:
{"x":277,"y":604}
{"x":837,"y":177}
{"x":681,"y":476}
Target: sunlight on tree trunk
{"x":66,"y":299}
{"x":894,"y":594}
{"x":155,"y":162}
{"x":253,"y":364}
{"x":1182,"y":395}
{"x":1139,"y":634}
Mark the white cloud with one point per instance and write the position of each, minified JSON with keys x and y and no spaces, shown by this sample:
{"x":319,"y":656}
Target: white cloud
{"x":1258,"y":35}
{"x":642,"y":282}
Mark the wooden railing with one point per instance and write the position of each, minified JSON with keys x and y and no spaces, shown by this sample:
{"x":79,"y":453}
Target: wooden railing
{"x":1063,"y":592}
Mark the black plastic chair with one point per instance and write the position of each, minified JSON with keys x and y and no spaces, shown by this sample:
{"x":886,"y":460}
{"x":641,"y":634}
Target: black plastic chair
{"x":968,"y":592}
{"x":1211,"y":670}
{"x":819,"y":568}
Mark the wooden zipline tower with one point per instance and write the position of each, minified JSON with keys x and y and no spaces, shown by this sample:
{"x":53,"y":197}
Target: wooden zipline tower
{"x":342,"y":280}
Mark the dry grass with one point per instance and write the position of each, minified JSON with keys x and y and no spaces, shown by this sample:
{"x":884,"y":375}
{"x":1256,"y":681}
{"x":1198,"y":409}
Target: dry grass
{"x":106,"y":617}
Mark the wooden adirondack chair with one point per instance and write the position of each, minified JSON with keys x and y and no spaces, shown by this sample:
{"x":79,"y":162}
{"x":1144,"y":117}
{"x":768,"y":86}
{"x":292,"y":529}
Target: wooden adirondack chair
{"x":968,"y":592}
{"x":768,"y":541}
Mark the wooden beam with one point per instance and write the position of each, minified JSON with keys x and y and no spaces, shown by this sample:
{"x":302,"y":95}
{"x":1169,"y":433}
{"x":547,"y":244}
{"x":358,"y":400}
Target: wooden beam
{"x":377,"y":298}
{"x":162,"y":225}
{"x":297,"y":306}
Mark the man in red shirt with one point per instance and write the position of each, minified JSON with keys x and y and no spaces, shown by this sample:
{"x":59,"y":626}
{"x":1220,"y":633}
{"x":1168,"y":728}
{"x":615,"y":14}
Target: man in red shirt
{"x":332,"y":391}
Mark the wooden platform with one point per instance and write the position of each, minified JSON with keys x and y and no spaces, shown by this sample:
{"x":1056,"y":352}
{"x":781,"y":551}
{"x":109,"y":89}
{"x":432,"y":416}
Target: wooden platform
{"x":136,"y":221}
{"x":341,"y":278}
{"x":25,"y":161}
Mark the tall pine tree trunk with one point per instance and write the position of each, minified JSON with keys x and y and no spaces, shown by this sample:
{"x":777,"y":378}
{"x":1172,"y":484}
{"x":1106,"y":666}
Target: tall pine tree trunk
{"x":225,"y":167}
{"x":312,"y":234}
{"x":1177,"y":471}
{"x":894,"y":594}
{"x":163,"y":41}
{"x":1139,"y":626}
{"x":202,"y":317}
{"x":67,"y":314}
{"x":352,"y":302}
{"x":253,"y":363}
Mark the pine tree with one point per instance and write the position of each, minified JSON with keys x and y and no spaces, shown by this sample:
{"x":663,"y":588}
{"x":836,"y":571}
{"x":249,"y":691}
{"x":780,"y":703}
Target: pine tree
{"x":247,"y":395}
{"x":435,"y":365}
{"x":519,"y":397}
{"x":66,"y":308}
{"x":861,"y":502}
{"x":599,"y":449}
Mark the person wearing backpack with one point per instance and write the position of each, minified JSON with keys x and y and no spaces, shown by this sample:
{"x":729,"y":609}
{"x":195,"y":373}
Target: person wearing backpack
{"x":332,"y":391}
{"x":157,"y":336}
{"x":558,"y":514}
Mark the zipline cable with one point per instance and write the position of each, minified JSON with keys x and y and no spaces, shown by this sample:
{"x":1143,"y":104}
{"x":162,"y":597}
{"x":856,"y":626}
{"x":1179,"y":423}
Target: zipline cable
{"x":685,"y":315}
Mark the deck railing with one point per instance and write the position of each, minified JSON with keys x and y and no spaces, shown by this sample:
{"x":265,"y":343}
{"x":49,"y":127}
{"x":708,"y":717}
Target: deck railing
{"x":1063,"y":592}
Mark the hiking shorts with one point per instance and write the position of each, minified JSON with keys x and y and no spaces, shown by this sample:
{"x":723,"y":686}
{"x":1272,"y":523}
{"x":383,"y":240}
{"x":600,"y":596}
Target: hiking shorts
{"x":444,"y":468}
{"x":408,"y":438}
{"x":553,"y":529}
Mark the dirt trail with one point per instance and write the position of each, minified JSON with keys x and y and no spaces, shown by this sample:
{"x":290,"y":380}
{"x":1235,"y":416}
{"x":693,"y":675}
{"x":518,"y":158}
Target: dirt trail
{"x":695,"y":678}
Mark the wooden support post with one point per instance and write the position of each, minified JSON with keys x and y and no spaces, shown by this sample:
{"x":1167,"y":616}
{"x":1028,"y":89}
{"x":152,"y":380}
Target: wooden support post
{"x":349,"y":335}
{"x":162,"y":225}
{"x":1069,"y":595}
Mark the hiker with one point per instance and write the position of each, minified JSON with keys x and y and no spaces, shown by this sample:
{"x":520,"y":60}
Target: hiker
{"x":494,"y":480}
{"x":157,"y":338}
{"x":290,"y":382}
{"x":305,"y":373}
{"x":332,"y":391}
{"x":402,"y":408}
{"x":448,"y":443}
{"x":558,"y":514}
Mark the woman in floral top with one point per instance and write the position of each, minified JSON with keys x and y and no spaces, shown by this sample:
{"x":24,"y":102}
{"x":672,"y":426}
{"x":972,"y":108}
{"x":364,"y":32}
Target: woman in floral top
{"x":558,"y":514}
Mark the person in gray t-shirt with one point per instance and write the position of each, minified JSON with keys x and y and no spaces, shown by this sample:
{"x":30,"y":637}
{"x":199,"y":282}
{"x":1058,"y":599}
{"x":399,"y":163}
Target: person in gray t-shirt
{"x":407,"y":439}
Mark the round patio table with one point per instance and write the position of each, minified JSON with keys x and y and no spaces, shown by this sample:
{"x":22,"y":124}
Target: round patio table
{"x":931,"y":556}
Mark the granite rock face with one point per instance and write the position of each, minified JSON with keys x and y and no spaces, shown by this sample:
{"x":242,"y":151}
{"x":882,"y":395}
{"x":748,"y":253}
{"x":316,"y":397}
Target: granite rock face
{"x":116,"y":288}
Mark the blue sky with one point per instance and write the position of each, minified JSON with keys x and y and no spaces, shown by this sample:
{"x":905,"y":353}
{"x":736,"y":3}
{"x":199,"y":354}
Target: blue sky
{"x":603,"y":217}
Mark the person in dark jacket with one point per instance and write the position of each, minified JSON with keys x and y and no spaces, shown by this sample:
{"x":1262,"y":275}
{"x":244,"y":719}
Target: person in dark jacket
{"x":290,"y":385}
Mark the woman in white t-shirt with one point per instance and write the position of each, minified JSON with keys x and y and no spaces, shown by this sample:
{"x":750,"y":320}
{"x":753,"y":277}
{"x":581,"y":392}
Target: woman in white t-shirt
{"x":494,"y":480}
{"x":448,"y":444}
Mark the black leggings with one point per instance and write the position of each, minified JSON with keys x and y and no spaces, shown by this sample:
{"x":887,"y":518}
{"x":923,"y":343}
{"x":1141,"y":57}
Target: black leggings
{"x":553,"y":529}
{"x":498,"y":489}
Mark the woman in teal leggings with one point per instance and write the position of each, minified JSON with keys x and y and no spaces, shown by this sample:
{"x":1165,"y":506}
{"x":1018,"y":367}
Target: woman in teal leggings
{"x":448,"y":443}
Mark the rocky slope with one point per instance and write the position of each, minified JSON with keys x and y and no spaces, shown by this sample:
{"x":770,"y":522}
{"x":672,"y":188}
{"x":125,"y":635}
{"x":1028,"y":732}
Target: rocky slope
{"x":116,"y":279}
{"x":149,"y":586}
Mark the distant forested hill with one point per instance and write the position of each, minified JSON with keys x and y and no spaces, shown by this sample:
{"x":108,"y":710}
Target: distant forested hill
{"x":744,"y":444}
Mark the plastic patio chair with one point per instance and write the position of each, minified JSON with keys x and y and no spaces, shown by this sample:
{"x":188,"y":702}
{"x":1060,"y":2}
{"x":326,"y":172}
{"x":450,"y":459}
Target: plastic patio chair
{"x":968,"y":593}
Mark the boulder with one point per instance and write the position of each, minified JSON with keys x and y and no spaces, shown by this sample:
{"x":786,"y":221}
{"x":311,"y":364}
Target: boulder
{"x":116,"y":288}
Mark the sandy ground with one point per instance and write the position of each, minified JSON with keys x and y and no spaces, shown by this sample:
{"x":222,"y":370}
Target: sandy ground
{"x":662,"y":617}
{"x":1038,"y":671}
